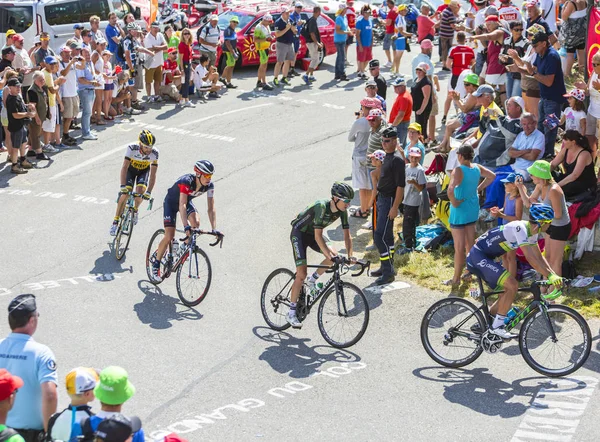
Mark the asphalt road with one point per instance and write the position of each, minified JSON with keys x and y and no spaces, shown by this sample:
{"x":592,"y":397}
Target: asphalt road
{"x":216,"y":372}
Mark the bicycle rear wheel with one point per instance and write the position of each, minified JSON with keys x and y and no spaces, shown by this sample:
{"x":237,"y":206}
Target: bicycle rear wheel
{"x":193,"y":277}
{"x":343,"y":315}
{"x":165,"y":265}
{"x":448,"y":332}
{"x":563,"y":356}
{"x":275,"y":298}
{"x":124,"y":234}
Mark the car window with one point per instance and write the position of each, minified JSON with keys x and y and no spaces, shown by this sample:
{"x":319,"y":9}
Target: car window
{"x":94,"y":7}
{"x":120,"y":8}
{"x":18,"y":18}
{"x":225,"y":19}
{"x":322,"y":22}
{"x":63,"y":13}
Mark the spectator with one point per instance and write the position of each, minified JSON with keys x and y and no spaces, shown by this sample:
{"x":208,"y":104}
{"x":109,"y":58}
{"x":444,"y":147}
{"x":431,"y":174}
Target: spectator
{"x":154,"y":42}
{"x":8,"y":55}
{"x":592,"y":88}
{"x":80,"y":383}
{"x":574,"y":117}
{"x":548,"y":192}
{"x":109,"y":85}
{"x":37,"y":43}
{"x":378,"y":125}
{"x":548,"y":11}
{"x":488,"y":110}
{"x":495,"y":74}
{"x":425,"y":25}
{"x":390,"y":31}
{"x":573,"y":33}
{"x":113,"y":391}
{"x":77,"y":29}
{"x":415,"y":183}
{"x":313,"y":43}
{"x":131,"y":48}
{"x":464,"y":206}
{"x":400,"y":40}
{"x":172,"y":83}
{"x":340,"y":36}
{"x":8,"y":74}
{"x":284,"y":32}
{"x":172,"y":38}
{"x":424,"y":57}
{"x":9,"y":385}
{"x":296,"y":20}
{"x":98,"y":62}
{"x":262,"y":41}
{"x":86,"y":82}
{"x":378,"y":78}
{"x":447,"y":25}
{"x":401,"y":110}
{"x":95,"y":32}
{"x":230,"y":50}
{"x":9,"y":38}
{"x":364,"y":40}
{"x":206,"y":78}
{"x":351,"y":17}
{"x":371,"y":90}
{"x":517,"y":42}
{"x":50,"y":125}
{"x":527,"y":147}
{"x":44,"y":50}
{"x":185,"y":66}
{"x":35,"y":364}
{"x":38,"y":96}
{"x":208,"y":38}
{"x":22,"y":63}
{"x":534,"y":17}
{"x":508,"y":12}
{"x":415,"y":140}
{"x":459,"y":60}
{"x":422,"y":96}
{"x":576,"y":159}
{"x":19,"y":115}
{"x":86,"y":36}
{"x":390,"y":193}
{"x":113,"y":33}
{"x":68,"y":92}
{"x":376,"y":158}
{"x":121,"y":101}
{"x":118,"y":428}
{"x":359,"y":134}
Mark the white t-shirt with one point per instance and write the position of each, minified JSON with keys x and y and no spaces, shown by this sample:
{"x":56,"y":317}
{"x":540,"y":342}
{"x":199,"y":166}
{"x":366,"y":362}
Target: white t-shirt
{"x":594,"y":109}
{"x":460,"y":83}
{"x":199,"y":73}
{"x":150,"y":41}
{"x":573,"y":119}
{"x":210,"y":35}
{"x":23,"y":60}
{"x":68,"y":88}
{"x":549,"y":13}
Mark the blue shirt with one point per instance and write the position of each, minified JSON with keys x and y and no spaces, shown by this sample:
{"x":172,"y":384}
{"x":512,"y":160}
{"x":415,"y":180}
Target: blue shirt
{"x":112,"y":31}
{"x":535,"y":140}
{"x":85,"y":73}
{"x":468,"y":211}
{"x":365,"y":26}
{"x":138,"y":436}
{"x":295,"y":18}
{"x":549,"y":64}
{"x":342,"y":22}
{"x":288,"y":37}
{"x":231,"y":35}
{"x":35,"y":364}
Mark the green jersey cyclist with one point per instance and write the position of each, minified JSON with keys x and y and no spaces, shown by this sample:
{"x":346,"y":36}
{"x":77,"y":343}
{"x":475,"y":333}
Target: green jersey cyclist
{"x":139,"y":171}
{"x":307,"y":231}
{"x":481,"y":260}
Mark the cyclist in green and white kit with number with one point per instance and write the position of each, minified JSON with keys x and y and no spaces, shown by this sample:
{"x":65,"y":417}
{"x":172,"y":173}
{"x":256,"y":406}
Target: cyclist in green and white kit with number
{"x":307,"y":231}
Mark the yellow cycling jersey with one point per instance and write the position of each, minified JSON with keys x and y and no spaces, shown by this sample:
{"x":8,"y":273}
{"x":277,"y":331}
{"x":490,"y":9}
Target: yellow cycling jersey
{"x":139,"y":160}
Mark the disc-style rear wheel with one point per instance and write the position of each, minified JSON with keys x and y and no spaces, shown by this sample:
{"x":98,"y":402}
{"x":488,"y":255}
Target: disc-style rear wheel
{"x":193,"y":277}
{"x":165,"y":265}
{"x":124,"y":234}
{"x":275,"y":298}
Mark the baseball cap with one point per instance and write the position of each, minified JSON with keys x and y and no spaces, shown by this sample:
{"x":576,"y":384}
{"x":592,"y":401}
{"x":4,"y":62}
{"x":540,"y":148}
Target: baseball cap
{"x":402,"y":7}
{"x":10,"y":32}
{"x":374,"y":63}
{"x":491,"y":10}
{"x":371,"y":83}
{"x":114,"y":387}
{"x":519,"y":101}
{"x":50,"y":59}
{"x":490,"y":18}
{"x":21,"y":305}
{"x":399,"y":81}
{"x":539,"y":37}
{"x":155,"y":24}
{"x":78,"y":26}
{"x":298,"y":5}
{"x":389,"y":132}
{"x":17,"y":37}
{"x":267,"y":17}
{"x":472,"y":79}
{"x":213,"y":17}
{"x":106,"y":52}
{"x":133,"y":26}
{"x":378,"y":155}
{"x":118,"y":428}
{"x":81,"y":379}
{"x":285,"y":9}
{"x":414,"y":152}
{"x":7,"y":50}
{"x":342,"y":6}
{"x":415,"y":126}
{"x":37,"y":40}
{"x":8,"y":384}
{"x":532,"y":3}
{"x":423,"y":67}
{"x":483,"y":89}
{"x":510,"y":178}
{"x":101,"y":41}
{"x":374,"y":113}
{"x":65,"y":49}
{"x":172,"y":51}
{"x":578,"y":94}
{"x":370,"y":102}
{"x":535,"y":28}
{"x":426,"y":44}
{"x":75,"y":45}
{"x":235,"y":18}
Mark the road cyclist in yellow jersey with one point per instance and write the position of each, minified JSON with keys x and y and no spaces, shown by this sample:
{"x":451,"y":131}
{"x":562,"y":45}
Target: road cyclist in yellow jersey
{"x":139,"y":171}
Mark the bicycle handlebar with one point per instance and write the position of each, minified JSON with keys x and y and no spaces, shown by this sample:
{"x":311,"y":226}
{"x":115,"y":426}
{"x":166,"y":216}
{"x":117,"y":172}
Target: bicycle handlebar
{"x":558,"y":291}
{"x":339,"y":261}
{"x":219,"y":236}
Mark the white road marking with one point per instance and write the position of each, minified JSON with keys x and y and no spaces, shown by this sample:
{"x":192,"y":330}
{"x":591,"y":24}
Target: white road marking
{"x":53,"y":284}
{"x":209,"y":117}
{"x":387,"y":287}
{"x":332,"y":91}
{"x":90,"y":161}
{"x":54,"y":195}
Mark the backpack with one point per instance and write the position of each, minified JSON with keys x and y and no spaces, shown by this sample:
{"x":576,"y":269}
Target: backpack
{"x":7,"y":433}
{"x":304,"y":31}
{"x":121,"y":48}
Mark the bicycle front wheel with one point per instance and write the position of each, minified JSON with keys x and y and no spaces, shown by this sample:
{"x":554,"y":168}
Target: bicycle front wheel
{"x":124,"y":234}
{"x":165,"y":265}
{"x":193,"y":277}
{"x":343,"y":315}
{"x":451,"y":331}
{"x":555,"y":357}
{"x":275,"y":298}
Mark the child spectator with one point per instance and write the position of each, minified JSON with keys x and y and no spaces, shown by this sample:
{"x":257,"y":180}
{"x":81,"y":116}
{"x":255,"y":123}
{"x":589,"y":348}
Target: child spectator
{"x":574,"y":116}
{"x":377,"y":158}
{"x":109,"y":85}
{"x":66,"y":425}
{"x":415,"y":183}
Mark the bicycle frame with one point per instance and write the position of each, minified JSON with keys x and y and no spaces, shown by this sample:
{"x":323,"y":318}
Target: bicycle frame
{"x":187,"y":247}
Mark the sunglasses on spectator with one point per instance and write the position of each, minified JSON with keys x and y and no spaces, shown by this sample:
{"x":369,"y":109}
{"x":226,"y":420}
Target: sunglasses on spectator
{"x":518,"y":29}
{"x":596,"y":64}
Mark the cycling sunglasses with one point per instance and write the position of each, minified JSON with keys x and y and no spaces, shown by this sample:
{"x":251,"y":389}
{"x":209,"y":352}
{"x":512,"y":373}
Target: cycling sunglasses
{"x":208,"y":177}
{"x":346,"y":201}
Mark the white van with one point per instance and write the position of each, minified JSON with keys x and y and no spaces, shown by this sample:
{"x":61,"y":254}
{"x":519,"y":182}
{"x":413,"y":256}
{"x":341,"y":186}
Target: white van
{"x":57,"y":17}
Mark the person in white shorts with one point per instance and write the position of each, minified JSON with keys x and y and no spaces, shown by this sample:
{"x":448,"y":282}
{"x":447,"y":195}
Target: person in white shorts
{"x":68,"y":92}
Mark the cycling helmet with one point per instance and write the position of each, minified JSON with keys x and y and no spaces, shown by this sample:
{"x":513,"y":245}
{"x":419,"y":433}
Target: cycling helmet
{"x":342,"y":190}
{"x":541,"y":213}
{"x":204,"y":167}
{"x":146,"y":138}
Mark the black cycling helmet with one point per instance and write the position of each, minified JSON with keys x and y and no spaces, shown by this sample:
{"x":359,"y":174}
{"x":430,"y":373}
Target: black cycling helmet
{"x":204,"y":167}
{"x":146,"y":138}
{"x":541,"y":213}
{"x":342,"y":190}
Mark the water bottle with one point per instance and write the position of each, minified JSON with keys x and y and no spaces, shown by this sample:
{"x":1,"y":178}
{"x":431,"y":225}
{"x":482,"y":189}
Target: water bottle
{"x":175,"y":248}
{"x":511,"y":314}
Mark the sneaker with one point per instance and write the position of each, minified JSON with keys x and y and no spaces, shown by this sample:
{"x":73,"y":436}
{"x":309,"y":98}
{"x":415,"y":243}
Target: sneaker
{"x":30,"y":153}
{"x":259,"y":85}
{"x":388,"y":64}
{"x":138,"y":106}
{"x":292,"y":319}
{"x":286,"y":81}
{"x":312,"y":78}
{"x":60,"y":146}
{"x":503,"y":333}
{"x":293,"y":73}
{"x":158,"y":99}
{"x":382,"y":280}
{"x":42,"y":157}
{"x":371,"y":248}
{"x":213,"y":95}
{"x":75,"y":126}
{"x":17,"y":169}
{"x":135,"y":112}
{"x":128,"y":111}
{"x":267,"y":87}
{"x":222,"y":80}
{"x":90,"y":137}
{"x":156,"y":272}
{"x":230,"y":86}
{"x":344,"y":78}
{"x":306,"y":79}
{"x":25,"y":164}
{"x":276,"y":81}
{"x":368,"y":225}
{"x":149,"y":98}
{"x":113,"y":228}
{"x":190,"y":104}
{"x":69,"y":141}
{"x":49,"y":148}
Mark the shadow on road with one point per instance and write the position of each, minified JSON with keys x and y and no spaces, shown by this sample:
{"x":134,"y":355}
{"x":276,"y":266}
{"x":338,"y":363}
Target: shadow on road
{"x":292,"y":356}
{"x":108,"y":264}
{"x":159,"y":310}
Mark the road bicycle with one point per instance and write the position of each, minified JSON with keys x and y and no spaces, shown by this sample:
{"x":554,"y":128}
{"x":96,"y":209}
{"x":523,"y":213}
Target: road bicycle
{"x":343,"y":310}
{"x":554,"y":339}
{"x":194,"y":271}
{"x":125,"y":227}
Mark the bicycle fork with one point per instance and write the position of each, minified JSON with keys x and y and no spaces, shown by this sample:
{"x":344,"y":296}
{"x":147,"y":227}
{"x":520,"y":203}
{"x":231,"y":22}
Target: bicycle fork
{"x":339,"y":296}
{"x":544,"y":310}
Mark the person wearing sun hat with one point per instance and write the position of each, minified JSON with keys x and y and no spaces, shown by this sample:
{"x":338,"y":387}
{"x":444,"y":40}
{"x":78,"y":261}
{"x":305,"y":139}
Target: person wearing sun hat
{"x":401,"y":110}
{"x":415,"y":140}
{"x":413,"y":197}
{"x":359,"y":135}
{"x":9,"y":385}
{"x":574,"y":116}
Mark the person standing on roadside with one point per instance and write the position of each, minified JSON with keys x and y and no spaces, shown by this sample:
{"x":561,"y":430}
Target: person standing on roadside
{"x":447,"y":27}
{"x":23,"y":64}
{"x":86,"y":82}
{"x":284,"y":32}
{"x":297,"y":21}
{"x":38,"y":96}
{"x":19,"y":116}
{"x":364,"y":41}
{"x":113,"y":36}
{"x":230,"y":50}
{"x":359,"y":134}
{"x":351,"y":17}
{"x":68,"y":92}
{"x":35,"y":364}
{"x":77,"y":29}
{"x":185,"y":64}
{"x":340,"y":37}
{"x":313,"y":43}
{"x":390,"y":31}
{"x":8,"y":55}
{"x":9,"y":385}
{"x":44,"y":50}
{"x":401,"y":110}
{"x":208,"y":39}
{"x":155,"y":42}
{"x":95,"y":31}
{"x":262,"y":41}
{"x":371,"y":90}
{"x":378,"y":78}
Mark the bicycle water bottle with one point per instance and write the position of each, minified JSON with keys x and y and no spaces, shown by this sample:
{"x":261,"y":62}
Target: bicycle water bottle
{"x":511,"y":314}
{"x":175,"y":248}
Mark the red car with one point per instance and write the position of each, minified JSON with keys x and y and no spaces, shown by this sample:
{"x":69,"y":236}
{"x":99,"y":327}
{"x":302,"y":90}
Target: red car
{"x":249,"y":17}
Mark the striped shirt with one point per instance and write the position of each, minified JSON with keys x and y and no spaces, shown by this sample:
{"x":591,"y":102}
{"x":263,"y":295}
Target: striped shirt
{"x":448,"y":19}
{"x":375,"y":141}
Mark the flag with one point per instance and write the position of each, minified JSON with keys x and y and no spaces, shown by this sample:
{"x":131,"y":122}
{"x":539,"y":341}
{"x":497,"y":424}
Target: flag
{"x":153,"y":10}
{"x":593,"y":36}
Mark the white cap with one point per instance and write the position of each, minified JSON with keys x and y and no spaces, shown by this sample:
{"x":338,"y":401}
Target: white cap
{"x":268,"y":17}
{"x":213,"y":17}
{"x":299,"y":5}
{"x":81,"y":379}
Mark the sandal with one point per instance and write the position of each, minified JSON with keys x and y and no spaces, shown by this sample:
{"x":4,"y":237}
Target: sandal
{"x":359,"y":214}
{"x":109,"y":118}
{"x":449,"y":282}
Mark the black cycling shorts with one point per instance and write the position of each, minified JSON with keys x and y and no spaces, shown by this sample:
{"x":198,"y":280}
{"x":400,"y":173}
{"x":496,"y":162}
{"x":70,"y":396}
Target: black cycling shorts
{"x":300,"y":242}
{"x":137,"y":177}
{"x":170,"y":210}
{"x":559,"y":233}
